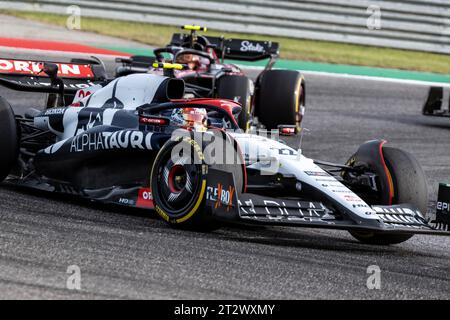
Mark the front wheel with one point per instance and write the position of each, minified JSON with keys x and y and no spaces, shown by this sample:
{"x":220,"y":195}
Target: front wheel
{"x":408,"y":183}
{"x":179,"y":182}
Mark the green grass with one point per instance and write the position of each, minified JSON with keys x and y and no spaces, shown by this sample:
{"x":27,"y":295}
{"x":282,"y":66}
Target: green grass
{"x":295,"y":49}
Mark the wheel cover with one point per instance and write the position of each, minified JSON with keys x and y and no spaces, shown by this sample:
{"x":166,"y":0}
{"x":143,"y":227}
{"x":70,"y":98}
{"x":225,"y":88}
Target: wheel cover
{"x":178,"y":185}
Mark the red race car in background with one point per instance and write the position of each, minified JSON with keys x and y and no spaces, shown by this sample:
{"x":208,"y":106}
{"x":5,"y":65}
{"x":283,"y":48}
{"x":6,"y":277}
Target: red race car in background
{"x":276,"y":96}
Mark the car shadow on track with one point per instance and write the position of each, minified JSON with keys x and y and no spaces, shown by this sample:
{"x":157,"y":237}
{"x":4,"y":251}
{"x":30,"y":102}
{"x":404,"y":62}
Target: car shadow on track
{"x":306,"y":238}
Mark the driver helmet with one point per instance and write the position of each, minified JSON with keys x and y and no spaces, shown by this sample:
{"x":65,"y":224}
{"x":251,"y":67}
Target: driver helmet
{"x":191,"y":60}
{"x":196,"y":118}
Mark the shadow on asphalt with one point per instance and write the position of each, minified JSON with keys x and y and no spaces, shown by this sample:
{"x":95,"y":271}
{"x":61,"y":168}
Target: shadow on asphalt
{"x":280,"y":237}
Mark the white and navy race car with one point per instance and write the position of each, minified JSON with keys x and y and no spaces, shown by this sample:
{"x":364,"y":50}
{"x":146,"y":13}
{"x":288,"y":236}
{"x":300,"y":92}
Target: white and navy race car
{"x":136,"y":141}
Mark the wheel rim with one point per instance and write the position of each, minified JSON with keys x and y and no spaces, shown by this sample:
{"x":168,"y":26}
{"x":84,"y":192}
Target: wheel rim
{"x":177,"y":179}
{"x":178,"y":185}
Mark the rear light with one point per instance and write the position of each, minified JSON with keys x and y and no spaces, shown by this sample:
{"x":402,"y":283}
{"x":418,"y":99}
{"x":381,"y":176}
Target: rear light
{"x":154,"y":121}
{"x":286,"y":130}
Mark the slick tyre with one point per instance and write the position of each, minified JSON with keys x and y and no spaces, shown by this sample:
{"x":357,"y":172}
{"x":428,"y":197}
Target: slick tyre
{"x":280,"y":98}
{"x":9,"y":144}
{"x":237,"y":88}
{"x":409,"y":185}
{"x":179,"y":183}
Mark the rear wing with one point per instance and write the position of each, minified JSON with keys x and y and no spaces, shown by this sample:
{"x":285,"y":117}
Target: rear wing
{"x":235,"y":49}
{"x":26,"y":75}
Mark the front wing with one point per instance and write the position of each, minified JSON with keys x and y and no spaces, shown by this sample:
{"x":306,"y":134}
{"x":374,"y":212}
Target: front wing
{"x":226,"y":204}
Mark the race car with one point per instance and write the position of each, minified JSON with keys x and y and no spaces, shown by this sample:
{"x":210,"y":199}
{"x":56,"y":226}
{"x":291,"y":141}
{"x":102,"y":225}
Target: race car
{"x":136,"y":141}
{"x":276,"y":96}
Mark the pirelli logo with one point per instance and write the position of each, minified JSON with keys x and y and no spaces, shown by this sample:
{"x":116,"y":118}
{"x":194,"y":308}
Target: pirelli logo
{"x":221,"y":195}
{"x":444,"y":207}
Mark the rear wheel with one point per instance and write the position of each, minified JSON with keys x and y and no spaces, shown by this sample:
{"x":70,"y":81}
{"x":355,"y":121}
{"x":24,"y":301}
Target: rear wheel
{"x":280,"y":98}
{"x":9,"y":144}
{"x":409,"y":186}
{"x":238,"y":89}
{"x":179,"y":184}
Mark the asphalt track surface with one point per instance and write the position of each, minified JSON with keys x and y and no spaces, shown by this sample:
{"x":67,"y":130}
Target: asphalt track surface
{"x":126,"y":253}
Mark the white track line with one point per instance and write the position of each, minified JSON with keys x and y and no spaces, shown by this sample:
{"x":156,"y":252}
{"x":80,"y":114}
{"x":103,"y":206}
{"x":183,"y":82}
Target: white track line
{"x":381,"y":79}
{"x":367,"y":78}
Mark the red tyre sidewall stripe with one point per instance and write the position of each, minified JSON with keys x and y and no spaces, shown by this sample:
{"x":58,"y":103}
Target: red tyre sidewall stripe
{"x":388,"y":174}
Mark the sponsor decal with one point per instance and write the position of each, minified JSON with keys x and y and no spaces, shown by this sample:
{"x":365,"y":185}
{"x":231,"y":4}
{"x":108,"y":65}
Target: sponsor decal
{"x":125,"y":139}
{"x":443,"y":206}
{"x":247,"y":46}
{"x":394,"y":210}
{"x":35,"y":83}
{"x":95,"y":119}
{"x":360,"y":205}
{"x":279,"y":208}
{"x":352,"y":198}
{"x":342,"y":191}
{"x":285,"y":151}
{"x":317,"y":174}
{"x":220,"y":195}
{"x":54,"y":111}
{"x":154,"y":121}
{"x":126,"y":201}
{"x":66,"y":70}
{"x":443,"y":203}
{"x":399,"y":215}
{"x":442,"y":219}
{"x":162,"y":214}
{"x":84,"y":93}
{"x":81,"y":94}
{"x":336,"y":185}
{"x":145,"y":198}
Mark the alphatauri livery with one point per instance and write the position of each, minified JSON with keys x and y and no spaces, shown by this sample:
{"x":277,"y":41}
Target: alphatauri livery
{"x":138,"y":141}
